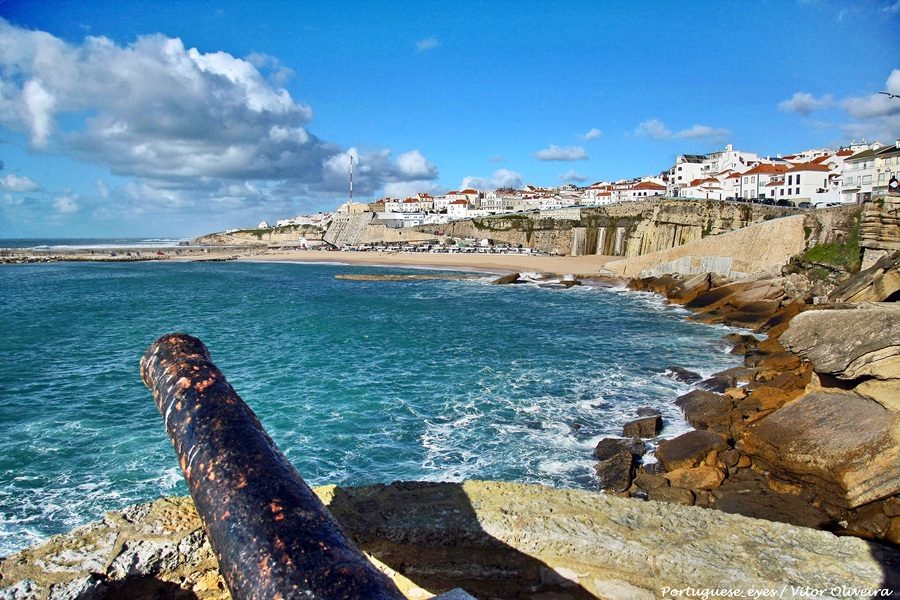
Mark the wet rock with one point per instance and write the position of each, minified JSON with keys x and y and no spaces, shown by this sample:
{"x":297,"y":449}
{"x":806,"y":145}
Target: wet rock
{"x":875,"y":284}
{"x":730,"y":457}
{"x":647,"y":411}
{"x":706,"y":410}
{"x":863,"y":341}
{"x":671,"y":495}
{"x":569,"y":280}
{"x":742,"y":343}
{"x":689,"y":449}
{"x":682,"y":375}
{"x":841,"y":445}
{"x":506,"y":279}
{"x":617,"y":460}
{"x":644,"y":427}
{"x":659,"y":285}
{"x":717,"y":384}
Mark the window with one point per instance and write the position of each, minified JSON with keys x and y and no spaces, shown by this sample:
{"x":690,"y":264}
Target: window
{"x":849,"y":181}
{"x":782,"y":192}
{"x":880,"y":177}
{"x":746,"y":180}
{"x":798,"y":178}
{"x":790,"y":179}
{"x":753,"y":179}
{"x":866,"y":179}
{"x":797,"y":191}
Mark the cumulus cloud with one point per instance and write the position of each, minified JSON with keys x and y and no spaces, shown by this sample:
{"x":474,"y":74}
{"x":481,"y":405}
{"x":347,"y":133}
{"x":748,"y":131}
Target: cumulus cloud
{"x":592,"y":134}
{"x":554,"y":152}
{"x":502,"y":178}
{"x":185,"y":123}
{"x":573,"y":175}
{"x":703,"y":132}
{"x":655,"y":129}
{"x":429,"y":43}
{"x":877,"y":115}
{"x":14,"y":183}
{"x":66,"y":203}
{"x":804,"y":103}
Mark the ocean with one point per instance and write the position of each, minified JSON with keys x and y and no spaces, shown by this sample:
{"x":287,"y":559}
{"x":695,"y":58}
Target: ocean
{"x":357,"y":382}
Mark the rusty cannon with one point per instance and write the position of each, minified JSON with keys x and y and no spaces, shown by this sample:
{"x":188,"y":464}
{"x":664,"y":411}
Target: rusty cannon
{"x":271,"y":534}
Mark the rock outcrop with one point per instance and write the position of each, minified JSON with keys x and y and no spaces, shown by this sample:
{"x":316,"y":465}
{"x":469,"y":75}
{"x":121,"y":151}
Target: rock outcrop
{"x":491,"y":539}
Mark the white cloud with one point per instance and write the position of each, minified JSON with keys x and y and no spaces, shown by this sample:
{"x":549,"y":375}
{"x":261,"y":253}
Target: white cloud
{"x":413,"y":165}
{"x":406,"y":189}
{"x":592,"y":134}
{"x":877,"y":115}
{"x":573,"y":175}
{"x":657,"y":130}
{"x":14,"y":183}
{"x":429,"y":43}
{"x":186,"y":123}
{"x":653,"y":129}
{"x":10,"y":200}
{"x":66,"y":204}
{"x":501,"y":178}
{"x":102,"y":188}
{"x":554,"y":152}
{"x":804,"y":103}
{"x":703,"y":132}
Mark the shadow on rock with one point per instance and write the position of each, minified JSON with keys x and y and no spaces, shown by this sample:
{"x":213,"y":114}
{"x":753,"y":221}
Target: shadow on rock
{"x":431,"y":534}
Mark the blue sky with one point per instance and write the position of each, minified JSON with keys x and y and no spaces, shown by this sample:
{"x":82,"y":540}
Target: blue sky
{"x":179,"y":118}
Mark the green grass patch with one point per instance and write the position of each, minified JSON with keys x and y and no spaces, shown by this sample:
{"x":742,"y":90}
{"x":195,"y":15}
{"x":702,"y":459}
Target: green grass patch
{"x":845,"y":254}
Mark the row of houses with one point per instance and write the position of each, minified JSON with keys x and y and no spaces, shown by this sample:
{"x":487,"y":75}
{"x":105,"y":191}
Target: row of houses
{"x":847,"y":175}
{"x":817,"y":176}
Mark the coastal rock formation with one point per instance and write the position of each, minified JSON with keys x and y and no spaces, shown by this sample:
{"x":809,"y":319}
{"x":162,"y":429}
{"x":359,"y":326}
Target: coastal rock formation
{"x":878,"y":283}
{"x":863,"y":341}
{"x":843,"y":445}
{"x":491,"y":539}
{"x":617,"y":459}
{"x":880,"y":229}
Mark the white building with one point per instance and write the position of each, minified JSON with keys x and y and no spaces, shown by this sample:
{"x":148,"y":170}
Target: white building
{"x":689,"y":168}
{"x":458,"y":209}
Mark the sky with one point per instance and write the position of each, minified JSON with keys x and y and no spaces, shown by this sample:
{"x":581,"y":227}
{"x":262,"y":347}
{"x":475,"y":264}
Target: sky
{"x":173,"y":119}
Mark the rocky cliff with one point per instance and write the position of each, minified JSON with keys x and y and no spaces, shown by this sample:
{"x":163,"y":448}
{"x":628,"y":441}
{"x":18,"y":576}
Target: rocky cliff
{"x":880,"y":229}
{"x":495,"y":540}
{"x":626,"y":229}
{"x":289,"y":234}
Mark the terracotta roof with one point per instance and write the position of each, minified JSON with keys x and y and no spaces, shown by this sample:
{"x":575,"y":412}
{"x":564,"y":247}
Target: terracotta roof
{"x":649,"y":185}
{"x":451,"y":192}
{"x":734,"y":175}
{"x":697,"y":182}
{"x":845,"y":152}
{"x":820,"y":159}
{"x":460,"y":202}
{"x":410,"y":201}
{"x":767,"y":169}
{"x":810,"y":167}
{"x":469,"y":191}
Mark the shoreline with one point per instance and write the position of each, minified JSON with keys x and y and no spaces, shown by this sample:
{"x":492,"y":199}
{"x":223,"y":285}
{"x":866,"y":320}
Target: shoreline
{"x":585,"y":266}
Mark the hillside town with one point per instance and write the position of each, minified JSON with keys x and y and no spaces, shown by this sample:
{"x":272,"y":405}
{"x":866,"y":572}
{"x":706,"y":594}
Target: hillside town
{"x":813,"y":178}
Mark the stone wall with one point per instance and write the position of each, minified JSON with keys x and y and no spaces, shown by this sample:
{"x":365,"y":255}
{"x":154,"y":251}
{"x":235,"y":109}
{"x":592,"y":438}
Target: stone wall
{"x":765,"y":247}
{"x":289,"y":234}
{"x":492,"y":539}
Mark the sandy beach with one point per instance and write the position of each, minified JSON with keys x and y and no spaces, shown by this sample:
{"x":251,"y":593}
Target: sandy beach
{"x":495,"y":263}
{"x":500,"y":263}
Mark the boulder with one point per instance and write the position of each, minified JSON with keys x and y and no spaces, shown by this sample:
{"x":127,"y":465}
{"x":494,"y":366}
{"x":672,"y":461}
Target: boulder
{"x":842,"y":445}
{"x":647,"y":411}
{"x":682,"y":375}
{"x":742,"y":343}
{"x":703,"y":477}
{"x":617,"y":459}
{"x":689,"y":449}
{"x":644,"y":427}
{"x":690,"y":288}
{"x":506,"y":279}
{"x":863,"y":341}
{"x":717,"y":384}
{"x":658,"y":285}
{"x":885,"y":392}
{"x":706,"y":410}
{"x":647,"y":482}
{"x":875,"y":284}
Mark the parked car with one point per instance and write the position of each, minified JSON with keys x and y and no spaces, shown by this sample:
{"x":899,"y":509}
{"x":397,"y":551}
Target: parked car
{"x":804,"y":205}
{"x":784,"y":202}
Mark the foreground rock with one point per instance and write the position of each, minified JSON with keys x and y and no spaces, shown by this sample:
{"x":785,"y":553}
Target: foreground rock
{"x":617,"y":460}
{"x":492,"y":539}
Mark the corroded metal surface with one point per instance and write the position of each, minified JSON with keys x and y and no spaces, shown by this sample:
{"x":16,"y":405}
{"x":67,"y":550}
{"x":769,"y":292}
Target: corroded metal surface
{"x":272,"y":536}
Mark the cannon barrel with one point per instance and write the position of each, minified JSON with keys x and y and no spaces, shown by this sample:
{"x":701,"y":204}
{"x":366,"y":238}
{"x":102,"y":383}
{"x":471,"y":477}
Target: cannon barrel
{"x":271,"y":534}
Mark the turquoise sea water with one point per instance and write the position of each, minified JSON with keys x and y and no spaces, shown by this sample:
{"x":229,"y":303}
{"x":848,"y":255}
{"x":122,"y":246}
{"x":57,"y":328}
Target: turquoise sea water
{"x":358,"y":382}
